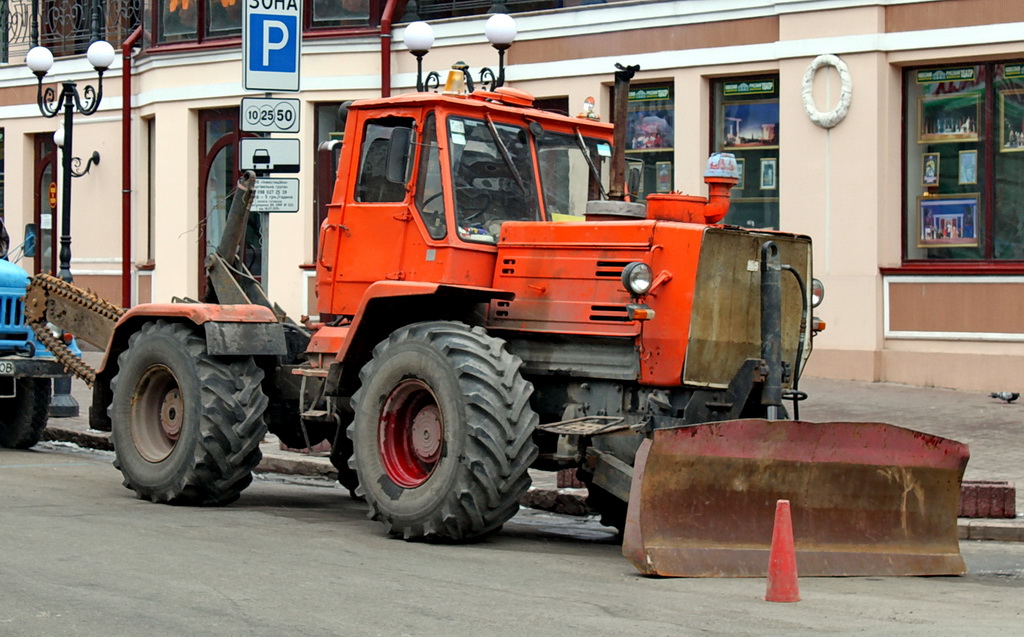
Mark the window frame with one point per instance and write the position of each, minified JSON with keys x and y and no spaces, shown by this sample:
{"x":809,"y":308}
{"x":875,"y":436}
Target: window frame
{"x":663,"y":156}
{"x":988,"y":149}
{"x":203,"y":38}
{"x":750,"y":192}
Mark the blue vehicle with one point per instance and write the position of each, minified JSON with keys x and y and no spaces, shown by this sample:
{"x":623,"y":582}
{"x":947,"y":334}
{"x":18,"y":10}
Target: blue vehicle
{"x":27,"y":368}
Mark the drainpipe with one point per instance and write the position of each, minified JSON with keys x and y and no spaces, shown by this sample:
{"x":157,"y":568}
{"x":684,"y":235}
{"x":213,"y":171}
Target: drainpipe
{"x":126,"y":167}
{"x":385,"y":47}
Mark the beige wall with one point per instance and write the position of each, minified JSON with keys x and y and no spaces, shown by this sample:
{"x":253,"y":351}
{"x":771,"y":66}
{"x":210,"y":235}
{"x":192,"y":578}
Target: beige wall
{"x":840,"y":186}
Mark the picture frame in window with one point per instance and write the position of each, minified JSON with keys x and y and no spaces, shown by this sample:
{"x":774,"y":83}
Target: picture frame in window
{"x":663,"y":171}
{"x":750,"y":124}
{"x":930,"y":169}
{"x":967,"y":168}
{"x":740,"y":172}
{"x":948,"y":118}
{"x":1011,"y":120}
{"x":947,"y":221}
{"x":769,"y":173}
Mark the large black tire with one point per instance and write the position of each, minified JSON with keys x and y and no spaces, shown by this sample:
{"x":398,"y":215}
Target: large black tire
{"x":612,"y":511}
{"x":187,"y":426}
{"x":442,"y":433}
{"x":341,"y":455}
{"x":23,"y":416}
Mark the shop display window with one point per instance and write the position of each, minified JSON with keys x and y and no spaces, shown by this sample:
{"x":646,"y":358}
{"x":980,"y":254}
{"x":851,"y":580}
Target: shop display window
{"x":180,"y":20}
{"x":746,"y":124}
{"x":650,"y":136}
{"x":963,"y":163}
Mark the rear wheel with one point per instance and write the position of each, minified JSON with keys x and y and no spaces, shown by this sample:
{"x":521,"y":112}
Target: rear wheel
{"x":23,"y":416}
{"x":442,"y":433}
{"x":341,"y":455}
{"x":186,"y":425}
{"x":612,"y":511}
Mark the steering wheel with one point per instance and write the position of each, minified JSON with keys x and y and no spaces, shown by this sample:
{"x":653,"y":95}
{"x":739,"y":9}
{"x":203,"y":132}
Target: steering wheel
{"x":432,"y":197}
{"x":473,"y":194}
{"x":481,"y":202}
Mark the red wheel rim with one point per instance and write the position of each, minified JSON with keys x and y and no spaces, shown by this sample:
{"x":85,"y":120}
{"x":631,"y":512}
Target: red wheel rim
{"x":410,"y":434}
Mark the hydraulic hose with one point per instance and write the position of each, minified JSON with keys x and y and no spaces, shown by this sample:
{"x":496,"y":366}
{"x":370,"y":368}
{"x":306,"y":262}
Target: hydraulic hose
{"x":795,"y":394}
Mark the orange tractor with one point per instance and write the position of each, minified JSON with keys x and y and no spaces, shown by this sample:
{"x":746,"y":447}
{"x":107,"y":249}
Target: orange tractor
{"x":491,"y":302}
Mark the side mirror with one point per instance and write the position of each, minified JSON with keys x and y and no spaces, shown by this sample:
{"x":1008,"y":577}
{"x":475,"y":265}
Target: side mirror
{"x":341,"y":118}
{"x":634,"y":178}
{"x":400,"y":154}
{"x":31,"y":232}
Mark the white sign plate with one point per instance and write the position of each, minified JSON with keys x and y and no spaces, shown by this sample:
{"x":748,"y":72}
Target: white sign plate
{"x":271,"y":45}
{"x":266,"y":155}
{"x":276,"y":195}
{"x":267,"y":115}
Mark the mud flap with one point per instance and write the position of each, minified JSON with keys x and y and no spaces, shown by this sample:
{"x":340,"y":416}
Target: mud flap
{"x":866,"y":499}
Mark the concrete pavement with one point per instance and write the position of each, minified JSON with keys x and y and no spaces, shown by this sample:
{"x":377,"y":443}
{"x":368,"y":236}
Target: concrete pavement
{"x":993,"y":429}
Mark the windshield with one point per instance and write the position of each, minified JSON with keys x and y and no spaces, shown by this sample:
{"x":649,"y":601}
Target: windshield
{"x":493,"y":175}
{"x":566,"y":175}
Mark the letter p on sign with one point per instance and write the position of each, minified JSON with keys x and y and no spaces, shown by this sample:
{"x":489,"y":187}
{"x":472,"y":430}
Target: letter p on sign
{"x":273,"y":47}
{"x":275,"y":38}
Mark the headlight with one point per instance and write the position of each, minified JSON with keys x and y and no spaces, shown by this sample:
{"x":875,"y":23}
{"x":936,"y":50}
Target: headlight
{"x":637,"y":278}
{"x":817,"y":292}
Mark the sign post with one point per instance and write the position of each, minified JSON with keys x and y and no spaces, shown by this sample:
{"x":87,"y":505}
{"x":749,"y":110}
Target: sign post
{"x":271,"y":45}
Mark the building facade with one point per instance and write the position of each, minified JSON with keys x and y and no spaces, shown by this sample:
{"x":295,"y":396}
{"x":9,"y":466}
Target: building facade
{"x":890,"y":131}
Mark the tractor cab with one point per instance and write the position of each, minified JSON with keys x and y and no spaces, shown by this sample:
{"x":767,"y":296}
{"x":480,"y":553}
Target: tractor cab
{"x":425,"y":182}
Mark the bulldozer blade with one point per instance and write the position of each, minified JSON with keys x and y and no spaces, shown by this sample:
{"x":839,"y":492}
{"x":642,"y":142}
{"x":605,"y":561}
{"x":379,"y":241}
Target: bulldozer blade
{"x":866,"y":499}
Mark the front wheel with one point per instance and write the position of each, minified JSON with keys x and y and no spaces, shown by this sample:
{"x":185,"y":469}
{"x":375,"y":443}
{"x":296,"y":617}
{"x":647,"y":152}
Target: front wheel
{"x":442,"y":433}
{"x":186,"y":425}
{"x":23,"y":416}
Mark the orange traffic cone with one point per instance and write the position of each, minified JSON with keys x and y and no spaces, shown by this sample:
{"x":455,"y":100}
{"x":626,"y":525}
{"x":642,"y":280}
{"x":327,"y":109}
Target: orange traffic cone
{"x":782,"y":578}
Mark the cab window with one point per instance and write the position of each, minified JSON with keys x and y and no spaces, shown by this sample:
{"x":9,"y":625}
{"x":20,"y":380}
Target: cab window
{"x":493,"y":176}
{"x":429,"y":194}
{"x":375,"y":185}
{"x":573,"y":171}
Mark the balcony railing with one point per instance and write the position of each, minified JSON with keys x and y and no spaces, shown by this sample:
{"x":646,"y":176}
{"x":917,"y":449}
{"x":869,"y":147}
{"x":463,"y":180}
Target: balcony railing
{"x":66,"y":27}
{"x":440,"y":9}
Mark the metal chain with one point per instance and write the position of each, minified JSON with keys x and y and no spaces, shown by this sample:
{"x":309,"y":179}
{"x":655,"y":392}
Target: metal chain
{"x":51,"y":285}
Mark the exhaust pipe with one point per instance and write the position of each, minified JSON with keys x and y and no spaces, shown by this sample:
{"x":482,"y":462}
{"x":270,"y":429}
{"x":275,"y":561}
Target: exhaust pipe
{"x":623,"y":76}
{"x":771,"y":327}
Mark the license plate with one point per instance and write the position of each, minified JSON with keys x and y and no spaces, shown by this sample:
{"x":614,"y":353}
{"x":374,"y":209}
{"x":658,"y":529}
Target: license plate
{"x":6,"y":368}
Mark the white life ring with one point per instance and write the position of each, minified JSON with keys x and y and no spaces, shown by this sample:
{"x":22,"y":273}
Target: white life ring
{"x":837,"y":114}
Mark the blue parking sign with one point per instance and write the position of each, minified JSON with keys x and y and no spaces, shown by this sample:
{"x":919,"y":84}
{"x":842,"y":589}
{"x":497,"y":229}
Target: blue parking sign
{"x":271,"y":45}
{"x":276,"y":39}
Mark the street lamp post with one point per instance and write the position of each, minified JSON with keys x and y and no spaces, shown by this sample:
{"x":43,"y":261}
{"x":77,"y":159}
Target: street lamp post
{"x":500,"y":30}
{"x":39,"y":59}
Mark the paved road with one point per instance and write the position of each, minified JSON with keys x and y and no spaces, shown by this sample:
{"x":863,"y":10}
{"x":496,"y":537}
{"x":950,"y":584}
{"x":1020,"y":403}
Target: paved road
{"x":82,"y":556}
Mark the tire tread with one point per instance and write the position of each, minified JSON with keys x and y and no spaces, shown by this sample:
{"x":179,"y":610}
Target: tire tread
{"x":493,"y":474}
{"x":231,"y":424}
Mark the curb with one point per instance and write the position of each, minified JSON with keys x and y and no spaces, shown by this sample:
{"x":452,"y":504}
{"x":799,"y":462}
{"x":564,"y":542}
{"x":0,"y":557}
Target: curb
{"x":567,"y":501}
{"x":87,"y":439}
{"x":1009,"y":530}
